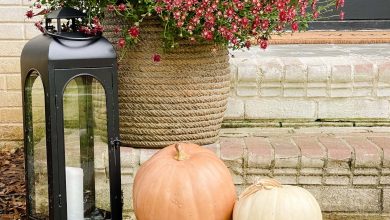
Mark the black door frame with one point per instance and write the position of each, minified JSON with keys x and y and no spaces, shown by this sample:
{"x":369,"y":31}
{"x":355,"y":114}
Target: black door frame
{"x":359,"y":15}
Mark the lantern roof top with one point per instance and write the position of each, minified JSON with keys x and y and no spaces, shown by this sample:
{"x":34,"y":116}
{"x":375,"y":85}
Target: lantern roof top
{"x":45,"y":51}
{"x":66,"y":13}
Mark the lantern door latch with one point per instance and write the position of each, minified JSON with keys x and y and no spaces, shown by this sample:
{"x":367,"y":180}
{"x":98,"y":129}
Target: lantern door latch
{"x":115,"y":143}
{"x":59,"y":200}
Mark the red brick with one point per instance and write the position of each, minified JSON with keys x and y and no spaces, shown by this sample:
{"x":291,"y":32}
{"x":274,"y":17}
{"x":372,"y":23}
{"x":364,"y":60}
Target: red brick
{"x":366,"y":153}
{"x":260,"y":152}
{"x":341,"y":74}
{"x":384,"y":143}
{"x":213,"y":147}
{"x":384,"y":72}
{"x":286,"y":153}
{"x":232,"y":148}
{"x":232,"y":153}
{"x":310,"y":147}
{"x":313,"y":154}
{"x":337,"y":149}
{"x":366,"y":69}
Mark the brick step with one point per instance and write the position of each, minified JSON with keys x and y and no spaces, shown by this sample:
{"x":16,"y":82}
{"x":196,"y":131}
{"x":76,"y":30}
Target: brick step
{"x":356,"y":216}
{"x":346,"y":169}
{"x":311,"y":82}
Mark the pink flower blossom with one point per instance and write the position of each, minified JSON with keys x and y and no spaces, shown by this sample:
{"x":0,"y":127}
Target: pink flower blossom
{"x":156,"y":58}
{"x":121,"y":43}
{"x":294,"y":26}
{"x":341,"y":15}
{"x":263,"y":43}
{"x":134,"y":31}
{"x":122,"y":7}
{"x":29,"y":14}
{"x":110,"y":8}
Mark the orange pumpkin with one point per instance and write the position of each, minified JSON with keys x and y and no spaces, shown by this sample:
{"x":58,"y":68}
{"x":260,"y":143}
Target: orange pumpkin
{"x":183,"y":182}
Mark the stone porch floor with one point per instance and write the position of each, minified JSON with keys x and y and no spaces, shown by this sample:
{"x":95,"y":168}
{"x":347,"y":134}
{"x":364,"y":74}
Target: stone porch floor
{"x":346,"y":169}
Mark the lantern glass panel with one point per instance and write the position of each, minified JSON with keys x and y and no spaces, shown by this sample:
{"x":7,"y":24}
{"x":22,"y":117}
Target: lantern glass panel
{"x":86,"y":149}
{"x":37,"y":178}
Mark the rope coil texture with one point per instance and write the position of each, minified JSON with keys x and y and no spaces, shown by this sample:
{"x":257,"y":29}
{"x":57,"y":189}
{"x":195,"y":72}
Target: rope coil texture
{"x":182,"y":98}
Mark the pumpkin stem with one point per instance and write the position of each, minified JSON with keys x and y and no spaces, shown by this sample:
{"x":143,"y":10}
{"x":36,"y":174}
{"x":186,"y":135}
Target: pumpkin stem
{"x":181,"y":155}
{"x":258,"y":185}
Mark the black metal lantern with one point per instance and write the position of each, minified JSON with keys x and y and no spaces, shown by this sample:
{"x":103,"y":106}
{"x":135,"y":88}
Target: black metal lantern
{"x":71,"y":132}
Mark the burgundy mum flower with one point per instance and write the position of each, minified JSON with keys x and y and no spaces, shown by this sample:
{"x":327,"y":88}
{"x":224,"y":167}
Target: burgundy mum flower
{"x":99,"y":28}
{"x":341,"y":15}
{"x":156,"y":58}
{"x":229,"y":23}
{"x":316,"y":14}
{"x":110,"y":8}
{"x":294,"y":26}
{"x":121,"y":43}
{"x":29,"y":14}
{"x":263,"y":43}
{"x":134,"y":31}
{"x":122,"y":7}
{"x":247,"y":44}
{"x":38,"y":25}
{"x":339,"y":4}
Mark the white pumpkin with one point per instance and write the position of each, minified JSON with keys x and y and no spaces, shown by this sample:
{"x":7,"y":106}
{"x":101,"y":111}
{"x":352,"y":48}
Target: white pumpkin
{"x":268,"y":199}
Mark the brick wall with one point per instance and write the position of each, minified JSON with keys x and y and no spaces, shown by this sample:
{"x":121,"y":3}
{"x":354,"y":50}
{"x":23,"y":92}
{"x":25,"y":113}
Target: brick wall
{"x":15,"y":31}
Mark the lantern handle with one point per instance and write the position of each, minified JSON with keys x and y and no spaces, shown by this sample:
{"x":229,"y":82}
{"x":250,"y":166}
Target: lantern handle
{"x":44,"y":31}
{"x":64,"y":13}
{"x":73,"y":38}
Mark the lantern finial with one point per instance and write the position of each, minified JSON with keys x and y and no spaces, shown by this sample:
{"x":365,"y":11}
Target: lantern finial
{"x":63,"y":13}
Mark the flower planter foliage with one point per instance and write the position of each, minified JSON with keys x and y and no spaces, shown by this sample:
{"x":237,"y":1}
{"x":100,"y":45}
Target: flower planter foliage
{"x":236,"y":23}
{"x":187,"y":95}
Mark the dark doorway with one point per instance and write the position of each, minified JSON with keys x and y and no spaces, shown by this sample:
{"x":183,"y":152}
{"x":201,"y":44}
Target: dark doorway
{"x":359,"y":15}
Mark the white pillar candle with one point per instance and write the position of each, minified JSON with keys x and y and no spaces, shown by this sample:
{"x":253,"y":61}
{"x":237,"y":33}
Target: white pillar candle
{"x":74,"y":193}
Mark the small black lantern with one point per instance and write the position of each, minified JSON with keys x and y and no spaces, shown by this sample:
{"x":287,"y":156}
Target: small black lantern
{"x":71,"y":130}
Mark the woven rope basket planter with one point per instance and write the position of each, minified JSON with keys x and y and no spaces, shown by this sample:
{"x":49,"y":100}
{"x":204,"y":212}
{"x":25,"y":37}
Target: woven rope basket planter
{"x":182,"y":98}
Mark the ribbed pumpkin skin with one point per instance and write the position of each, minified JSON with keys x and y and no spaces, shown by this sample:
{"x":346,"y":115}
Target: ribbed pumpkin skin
{"x":279,"y":203}
{"x":197,"y":188}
